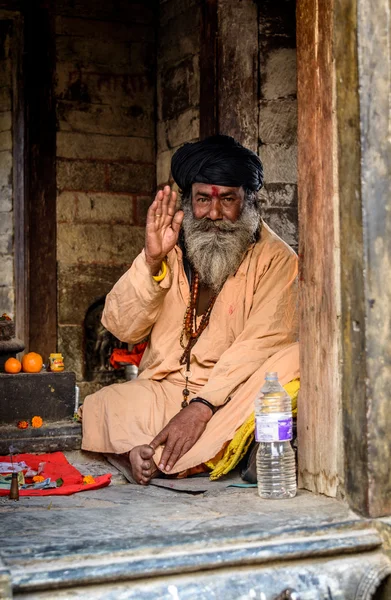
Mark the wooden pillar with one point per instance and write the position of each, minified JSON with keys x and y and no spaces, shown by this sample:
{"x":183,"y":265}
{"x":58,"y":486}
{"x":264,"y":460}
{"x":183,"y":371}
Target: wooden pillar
{"x":209,"y":124}
{"x":229,"y":70}
{"x":363,"y":60}
{"x":319,"y":419}
{"x":237,"y":71}
{"x":345,"y":250}
{"x":40,"y":56}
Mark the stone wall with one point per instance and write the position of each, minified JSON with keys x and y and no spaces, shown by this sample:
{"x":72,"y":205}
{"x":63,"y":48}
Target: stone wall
{"x":178,"y":80}
{"x":7,"y":290}
{"x":278,"y":115}
{"x":105,"y":153}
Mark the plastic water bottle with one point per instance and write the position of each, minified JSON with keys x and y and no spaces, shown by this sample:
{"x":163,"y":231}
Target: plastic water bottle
{"x":276,"y":466}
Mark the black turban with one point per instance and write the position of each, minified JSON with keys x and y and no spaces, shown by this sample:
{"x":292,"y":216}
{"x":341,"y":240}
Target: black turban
{"x":217,"y":160}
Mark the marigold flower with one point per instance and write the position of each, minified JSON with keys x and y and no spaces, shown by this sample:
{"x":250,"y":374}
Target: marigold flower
{"x":23,"y":424}
{"x":38,"y":478}
{"x":88,"y":479}
{"x":36,"y":422}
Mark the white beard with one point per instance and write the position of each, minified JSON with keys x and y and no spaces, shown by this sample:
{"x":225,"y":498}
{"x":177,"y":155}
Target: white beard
{"x":216,"y":248}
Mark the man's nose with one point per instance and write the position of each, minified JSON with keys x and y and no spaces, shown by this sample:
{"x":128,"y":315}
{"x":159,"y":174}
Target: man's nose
{"x":215,"y":212}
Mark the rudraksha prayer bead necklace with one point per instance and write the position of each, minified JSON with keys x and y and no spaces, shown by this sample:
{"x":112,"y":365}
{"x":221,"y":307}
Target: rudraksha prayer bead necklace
{"x":191,"y":331}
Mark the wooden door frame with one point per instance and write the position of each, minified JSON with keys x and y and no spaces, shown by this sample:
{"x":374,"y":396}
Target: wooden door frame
{"x":344,"y":172}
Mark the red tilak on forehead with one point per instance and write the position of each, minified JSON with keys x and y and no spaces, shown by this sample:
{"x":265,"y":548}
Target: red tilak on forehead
{"x":215,"y":191}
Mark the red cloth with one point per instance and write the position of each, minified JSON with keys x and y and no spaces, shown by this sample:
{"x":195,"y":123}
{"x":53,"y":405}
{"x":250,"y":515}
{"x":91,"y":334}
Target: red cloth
{"x":56,"y":467}
{"x":132,"y":357}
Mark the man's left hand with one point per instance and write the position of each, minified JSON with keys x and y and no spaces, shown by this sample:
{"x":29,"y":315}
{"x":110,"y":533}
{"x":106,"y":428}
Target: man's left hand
{"x":181,"y":433}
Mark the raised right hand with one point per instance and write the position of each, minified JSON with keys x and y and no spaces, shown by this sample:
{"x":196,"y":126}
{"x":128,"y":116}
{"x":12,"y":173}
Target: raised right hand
{"x":162,"y":229}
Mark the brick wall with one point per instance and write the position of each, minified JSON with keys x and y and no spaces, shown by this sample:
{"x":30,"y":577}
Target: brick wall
{"x":105,"y":153}
{"x":278,"y":115}
{"x":7,"y":291}
{"x":178,"y":82}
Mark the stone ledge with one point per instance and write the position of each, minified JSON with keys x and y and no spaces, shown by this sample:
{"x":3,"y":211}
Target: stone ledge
{"x":49,"y":395}
{"x":53,"y":437}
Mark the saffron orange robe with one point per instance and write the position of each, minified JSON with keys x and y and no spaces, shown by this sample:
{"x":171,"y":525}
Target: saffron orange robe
{"x":252,"y":329}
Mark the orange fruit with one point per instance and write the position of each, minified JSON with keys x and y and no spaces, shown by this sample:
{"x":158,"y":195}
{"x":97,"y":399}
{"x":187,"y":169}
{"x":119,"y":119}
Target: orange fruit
{"x":12,"y":365}
{"x":32,"y":362}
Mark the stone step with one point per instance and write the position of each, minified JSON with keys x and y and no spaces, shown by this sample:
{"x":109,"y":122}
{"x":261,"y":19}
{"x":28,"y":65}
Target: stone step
{"x":48,"y":395}
{"x":51,"y":437}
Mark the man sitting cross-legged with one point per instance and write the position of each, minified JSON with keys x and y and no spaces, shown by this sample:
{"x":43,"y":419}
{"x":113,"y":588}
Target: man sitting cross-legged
{"x":215,"y":292}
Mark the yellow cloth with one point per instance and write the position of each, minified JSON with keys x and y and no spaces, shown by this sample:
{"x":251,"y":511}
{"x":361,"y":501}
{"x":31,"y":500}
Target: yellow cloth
{"x":238,"y":446}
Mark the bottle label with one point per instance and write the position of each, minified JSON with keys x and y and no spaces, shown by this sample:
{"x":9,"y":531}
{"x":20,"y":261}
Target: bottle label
{"x":273,"y":427}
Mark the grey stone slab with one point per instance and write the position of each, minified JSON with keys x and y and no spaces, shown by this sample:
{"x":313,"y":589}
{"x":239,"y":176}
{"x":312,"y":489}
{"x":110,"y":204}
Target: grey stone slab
{"x":53,"y":437}
{"x":49,"y":395}
{"x":128,"y":541}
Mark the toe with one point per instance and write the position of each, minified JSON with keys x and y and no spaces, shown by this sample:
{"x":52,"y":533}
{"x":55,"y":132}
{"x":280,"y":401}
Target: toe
{"x":146,"y":464}
{"x":146,"y":452}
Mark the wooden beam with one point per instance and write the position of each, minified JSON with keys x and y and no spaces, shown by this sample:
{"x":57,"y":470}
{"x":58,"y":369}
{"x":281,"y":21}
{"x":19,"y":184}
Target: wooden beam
{"x":208,"y":70}
{"x":41,"y":149}
{"x":319,"y":423}
{"x":363,"y":84}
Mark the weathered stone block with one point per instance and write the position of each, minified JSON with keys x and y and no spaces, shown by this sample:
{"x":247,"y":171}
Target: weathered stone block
{"x":6,"y":198}
{"x":66,"y":206}
{"x":86,"y":282}
{"x":49,"y":395}
{"x":131,"y":178}
{"x":163,"y":166}
{"x":88,"y":387}
{"x":278,"y":121}
{"x":284,"y":223}
{"x":133,"y":119}
{"x":122,"y":12}
{"x":181,"y":36}
{"x":5,"y":140}
{"x":161,"y":136}
{"x":5,"y":73}
{"x":95,"y":208}
{"x":5,"y":121}
{"x":93,"y":29}
{"x":100,"y":176}
{"x":117,"y":244}
{"x":277,"y":17}
{"x":6,"y":271}
{"x":87,"y":145}
{"x":142,"y":205}
{"x":6,"y":223}
{"x":278,"y":76}
{"x":7,"y":298}
{"x":185,"y":128}
{"x":279,"y":162}
{"x":179,"y":88}
{"x":6,"y":242}
{"x":117,"y":57}
{"x":108,"y":88}
{"x":5,"y":99}
{"x":70,"y":344}
{"x":5,"y":171}
{"x":279,"y":195}
{"x":172,"y":9}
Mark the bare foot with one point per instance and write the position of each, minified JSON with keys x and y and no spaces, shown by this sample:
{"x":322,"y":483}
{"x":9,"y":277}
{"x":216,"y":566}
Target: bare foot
{"x":143,"y":466}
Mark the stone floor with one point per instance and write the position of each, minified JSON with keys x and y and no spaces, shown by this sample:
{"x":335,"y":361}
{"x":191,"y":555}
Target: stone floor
{"x":52,"y":538}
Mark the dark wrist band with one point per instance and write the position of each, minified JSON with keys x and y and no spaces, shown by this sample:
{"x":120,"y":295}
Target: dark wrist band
{"x":202,"y":401}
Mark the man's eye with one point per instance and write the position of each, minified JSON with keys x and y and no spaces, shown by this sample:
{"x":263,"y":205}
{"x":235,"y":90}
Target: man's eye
{"x":229,"y":199}
{"x":203,"y":199}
